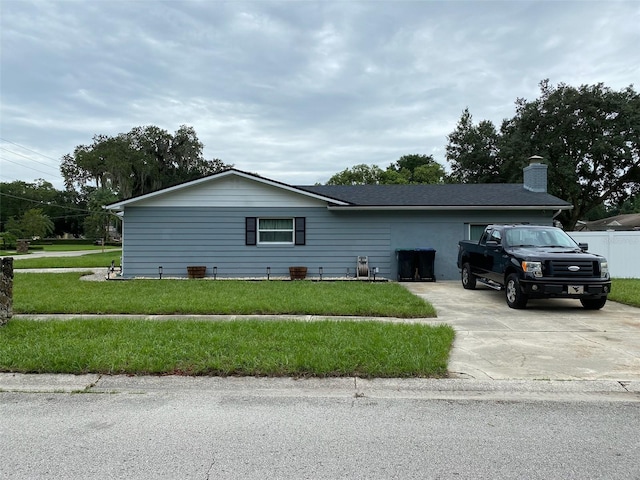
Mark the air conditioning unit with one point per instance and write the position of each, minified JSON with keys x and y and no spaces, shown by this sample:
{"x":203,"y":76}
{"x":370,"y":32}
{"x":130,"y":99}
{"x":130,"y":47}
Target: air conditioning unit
{"x":362,"y":267}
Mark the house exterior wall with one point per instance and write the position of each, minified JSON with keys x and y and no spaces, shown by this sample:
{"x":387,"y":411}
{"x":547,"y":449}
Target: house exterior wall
{"x":230,"y":191}
{"x":175,"y":237}
{"x":442,"y":230}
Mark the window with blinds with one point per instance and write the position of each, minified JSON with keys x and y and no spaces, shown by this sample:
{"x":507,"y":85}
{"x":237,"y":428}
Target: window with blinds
{"x":476,"y":231}
{"x":275,"y":230}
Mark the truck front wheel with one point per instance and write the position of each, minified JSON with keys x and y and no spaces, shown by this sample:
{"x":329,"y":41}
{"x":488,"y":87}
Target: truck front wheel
{"x":593,"y":304}
{"x":513,"y":292}
{"x":468,"y":280}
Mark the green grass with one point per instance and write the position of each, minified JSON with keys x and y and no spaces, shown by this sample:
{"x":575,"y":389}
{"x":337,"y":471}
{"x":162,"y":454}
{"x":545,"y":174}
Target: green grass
{"x":42,"y":293}
{"x":251,"y":347}
{"x":10,"y":253}
{"x":89,"y":260}
{"x":71,"y":247}
{"x":626,"y":290}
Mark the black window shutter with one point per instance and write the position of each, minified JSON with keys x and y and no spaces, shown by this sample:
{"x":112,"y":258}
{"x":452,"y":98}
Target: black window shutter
{"x":250,"y":230}
{"x":300,"y":231}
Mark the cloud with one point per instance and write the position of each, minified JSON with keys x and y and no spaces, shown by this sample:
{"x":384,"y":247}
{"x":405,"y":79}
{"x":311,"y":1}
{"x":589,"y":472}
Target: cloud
{"x":293,"y":90}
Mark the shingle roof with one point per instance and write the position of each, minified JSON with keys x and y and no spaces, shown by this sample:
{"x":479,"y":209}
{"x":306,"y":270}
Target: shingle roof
{"x":629,"y":221}
{"x":447,"y":195}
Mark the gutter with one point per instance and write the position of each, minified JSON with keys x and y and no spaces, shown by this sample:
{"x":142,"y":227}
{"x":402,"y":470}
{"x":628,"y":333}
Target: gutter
{"x":447,"y":208}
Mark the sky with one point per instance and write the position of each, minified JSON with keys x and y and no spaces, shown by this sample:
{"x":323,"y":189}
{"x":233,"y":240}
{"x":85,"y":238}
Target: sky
{"x":295,"y":91}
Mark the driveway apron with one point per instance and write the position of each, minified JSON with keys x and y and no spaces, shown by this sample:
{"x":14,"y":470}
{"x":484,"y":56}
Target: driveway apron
{"x":552,"y":339}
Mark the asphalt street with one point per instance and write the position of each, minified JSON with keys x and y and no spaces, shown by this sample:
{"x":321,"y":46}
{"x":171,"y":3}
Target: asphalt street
{"x":206,"y":428}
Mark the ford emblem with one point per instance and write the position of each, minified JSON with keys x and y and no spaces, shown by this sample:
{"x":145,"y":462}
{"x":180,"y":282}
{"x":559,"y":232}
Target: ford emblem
{"x":574,"y":268}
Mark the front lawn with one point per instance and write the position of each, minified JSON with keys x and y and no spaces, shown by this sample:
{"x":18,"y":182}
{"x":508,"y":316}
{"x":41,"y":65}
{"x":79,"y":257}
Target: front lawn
{"x":59,"y":247}
{"x":42,"y":293}
{"x":90,"y":260}
{"x":626,"y":290}
{"x":251,"y":347}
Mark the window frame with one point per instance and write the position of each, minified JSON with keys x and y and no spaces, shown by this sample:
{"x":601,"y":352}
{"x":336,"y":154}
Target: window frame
{"x":252,"y":234}
{"x":259,"y":231}
{"x":475,"y":227}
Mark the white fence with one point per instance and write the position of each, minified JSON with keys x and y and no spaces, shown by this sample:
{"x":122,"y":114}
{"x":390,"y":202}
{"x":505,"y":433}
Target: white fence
{"x":622,"y":250}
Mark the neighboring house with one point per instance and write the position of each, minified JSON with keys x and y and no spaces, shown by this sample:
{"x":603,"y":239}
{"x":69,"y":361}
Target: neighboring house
{"x":629,"y":221}
{"x":243,"y":224}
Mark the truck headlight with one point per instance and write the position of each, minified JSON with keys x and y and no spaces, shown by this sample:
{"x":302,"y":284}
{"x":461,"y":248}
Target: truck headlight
{"x":604,"y":269}
{"x":534,"y":268}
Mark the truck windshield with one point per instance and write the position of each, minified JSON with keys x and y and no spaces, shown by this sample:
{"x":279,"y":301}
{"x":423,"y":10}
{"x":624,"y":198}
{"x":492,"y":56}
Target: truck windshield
{"x":538,"y":237}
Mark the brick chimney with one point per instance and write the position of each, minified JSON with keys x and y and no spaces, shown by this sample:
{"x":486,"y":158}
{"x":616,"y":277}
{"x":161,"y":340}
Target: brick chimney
{"x":535,"y":175}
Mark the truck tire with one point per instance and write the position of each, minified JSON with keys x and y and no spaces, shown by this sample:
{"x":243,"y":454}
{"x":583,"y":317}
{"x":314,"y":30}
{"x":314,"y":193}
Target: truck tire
{"x":513,"y":292}
{"x":468,"y":279}
{"x":593,"y":304}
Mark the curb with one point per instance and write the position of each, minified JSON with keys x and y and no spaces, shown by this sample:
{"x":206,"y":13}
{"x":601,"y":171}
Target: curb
{"x":347,"y":387}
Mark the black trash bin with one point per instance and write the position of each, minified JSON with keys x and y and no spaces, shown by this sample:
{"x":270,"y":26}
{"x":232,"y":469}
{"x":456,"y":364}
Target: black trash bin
{"x":416,"y":265}
{"x":405,"y":264}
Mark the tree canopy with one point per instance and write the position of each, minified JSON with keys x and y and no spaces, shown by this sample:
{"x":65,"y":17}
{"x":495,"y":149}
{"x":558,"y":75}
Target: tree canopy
{"x":473,"y":152}
{"x":408,"y":169}
{"x":98,"y":222}
{"x":64,"y":208}
{"x":141,"y":161}
{"x":129,"y":164}
{"x":589,"y":137}
{"x":33,"y":224}
{"x":361,"y":174}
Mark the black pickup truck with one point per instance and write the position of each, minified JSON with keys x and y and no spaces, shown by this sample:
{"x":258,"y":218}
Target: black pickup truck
{"x":530,"y":261}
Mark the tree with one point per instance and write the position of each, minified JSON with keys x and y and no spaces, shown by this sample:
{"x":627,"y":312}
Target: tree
{"x":418,"y":168}
{"x":140,"y":161}
{"x":631,"y":205}
{"x":408,"y":169}
{"x":358,"y":175}
{"x":589,"y":137}
{"x":64,"y":208}
{"x":472,"y":151}
{"x":19,"y":196}
{"x":34,"y":223}
{"x":99,"y":223}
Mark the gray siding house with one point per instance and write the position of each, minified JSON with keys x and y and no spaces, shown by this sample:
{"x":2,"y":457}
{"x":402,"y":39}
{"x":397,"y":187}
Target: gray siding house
{"x":240,"y":225}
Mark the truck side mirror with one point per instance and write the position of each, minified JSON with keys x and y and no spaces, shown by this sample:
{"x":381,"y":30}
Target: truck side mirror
{"x":584,"y":246}
{"x":492,"y":243}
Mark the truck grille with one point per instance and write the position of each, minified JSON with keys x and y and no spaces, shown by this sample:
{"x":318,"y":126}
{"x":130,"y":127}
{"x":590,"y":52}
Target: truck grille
{"x":565,"y":268}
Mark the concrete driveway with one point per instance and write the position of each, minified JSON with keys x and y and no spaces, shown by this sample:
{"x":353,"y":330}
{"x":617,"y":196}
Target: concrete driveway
{"x":550,"y":340}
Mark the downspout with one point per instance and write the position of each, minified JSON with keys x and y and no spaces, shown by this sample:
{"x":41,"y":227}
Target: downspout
{"x":557,"y":223}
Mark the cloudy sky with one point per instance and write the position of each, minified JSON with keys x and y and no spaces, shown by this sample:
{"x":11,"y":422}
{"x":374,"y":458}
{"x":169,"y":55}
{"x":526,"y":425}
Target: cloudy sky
{"x":292,"y":90}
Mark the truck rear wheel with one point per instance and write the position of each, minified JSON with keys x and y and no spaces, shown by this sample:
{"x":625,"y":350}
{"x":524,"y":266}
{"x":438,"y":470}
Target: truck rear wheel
{"x":468,"y":279}
{"x":593,"y":304}
{"x":513,"y":292}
